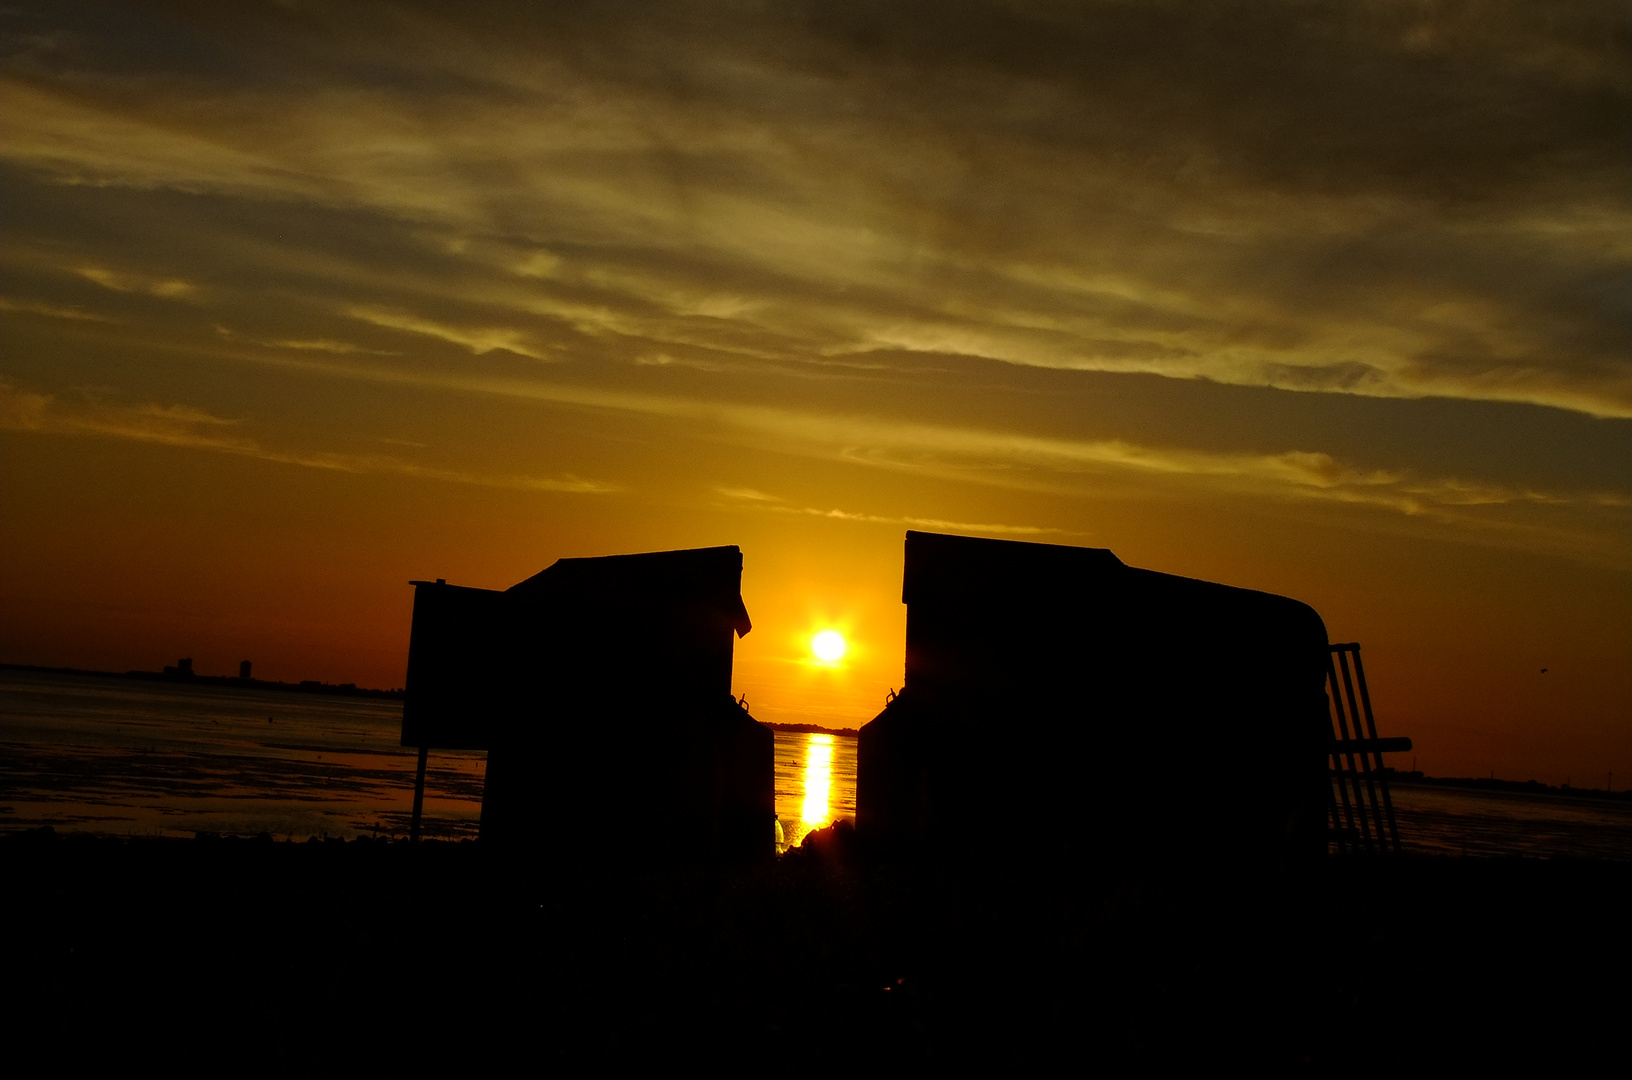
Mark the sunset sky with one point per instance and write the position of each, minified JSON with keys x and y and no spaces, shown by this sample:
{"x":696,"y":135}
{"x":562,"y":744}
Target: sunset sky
{"x":303,"y":300}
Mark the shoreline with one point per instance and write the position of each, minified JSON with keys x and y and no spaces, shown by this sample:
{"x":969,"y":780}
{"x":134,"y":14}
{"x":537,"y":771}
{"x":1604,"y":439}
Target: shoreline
{"x":1528,"y":788}
{"x":811,"y":729}
{"x":1523,"y":788}
{"x":312,"y":686}
{"x":305,"y":686}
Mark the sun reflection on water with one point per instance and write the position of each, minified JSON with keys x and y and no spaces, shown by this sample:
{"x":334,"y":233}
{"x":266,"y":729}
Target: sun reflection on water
{"x":818,"y":779}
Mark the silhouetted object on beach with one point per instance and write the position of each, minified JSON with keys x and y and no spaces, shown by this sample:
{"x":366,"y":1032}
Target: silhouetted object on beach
{"x":1361,"y":810}
{"x":244,"y":669}
{"x":601,"y":689}
{"x":1058,"y":698}
{"x":183,"y":669}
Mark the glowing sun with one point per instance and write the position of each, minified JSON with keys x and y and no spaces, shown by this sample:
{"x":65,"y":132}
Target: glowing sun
{"x":828,"y":646}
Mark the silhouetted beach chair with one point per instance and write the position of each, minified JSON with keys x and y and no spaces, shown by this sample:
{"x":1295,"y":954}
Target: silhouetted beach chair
{"x":1362,"y":813}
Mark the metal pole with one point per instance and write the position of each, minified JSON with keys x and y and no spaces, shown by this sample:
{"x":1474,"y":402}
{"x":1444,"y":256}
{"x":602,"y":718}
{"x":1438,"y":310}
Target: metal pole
{"x":419,"y":794}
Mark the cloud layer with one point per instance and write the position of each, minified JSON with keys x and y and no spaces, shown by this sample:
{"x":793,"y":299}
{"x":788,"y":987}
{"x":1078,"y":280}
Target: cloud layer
{"x":1389,"y":198}
{"x":194,"y":429}
{"x":918,"y":239}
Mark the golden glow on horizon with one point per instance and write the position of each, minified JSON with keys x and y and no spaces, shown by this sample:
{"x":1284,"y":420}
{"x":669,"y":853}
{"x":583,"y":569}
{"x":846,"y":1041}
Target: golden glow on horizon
{"x":818,"y":779}
{"x":829,"y":646}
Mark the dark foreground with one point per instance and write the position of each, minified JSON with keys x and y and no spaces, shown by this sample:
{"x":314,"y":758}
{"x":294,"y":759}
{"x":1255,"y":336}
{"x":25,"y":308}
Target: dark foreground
{"x":261,"y":955}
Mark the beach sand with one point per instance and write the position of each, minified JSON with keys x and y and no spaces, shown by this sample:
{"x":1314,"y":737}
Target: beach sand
{"x":260,"y":954}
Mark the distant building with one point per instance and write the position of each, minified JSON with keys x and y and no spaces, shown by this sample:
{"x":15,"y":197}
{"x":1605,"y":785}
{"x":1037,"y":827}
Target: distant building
{"x":601,"y":689}
{"x":183,"y":668}
{"x":244,"y":669}
{"x":1056,"y":698}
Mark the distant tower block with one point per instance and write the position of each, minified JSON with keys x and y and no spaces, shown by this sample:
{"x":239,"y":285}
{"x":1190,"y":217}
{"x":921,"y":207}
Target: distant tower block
{"x":243,"y":669}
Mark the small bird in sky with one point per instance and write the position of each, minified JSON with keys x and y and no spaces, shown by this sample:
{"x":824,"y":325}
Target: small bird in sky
{"x":1544,"y":671}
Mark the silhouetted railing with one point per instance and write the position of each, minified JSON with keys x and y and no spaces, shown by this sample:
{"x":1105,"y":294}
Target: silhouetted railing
{"x":1362,"y":814}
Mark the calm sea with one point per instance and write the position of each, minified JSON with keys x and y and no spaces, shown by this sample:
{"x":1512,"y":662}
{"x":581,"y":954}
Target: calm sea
{"x":124,"y":756}
{"x":109,"y":755}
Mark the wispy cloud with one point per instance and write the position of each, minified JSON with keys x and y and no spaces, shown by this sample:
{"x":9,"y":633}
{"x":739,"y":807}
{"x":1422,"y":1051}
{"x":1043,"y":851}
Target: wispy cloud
{"x":322,"y":345}
{"x":758,"y":500}
{"x":166,"y":288}
{"x":478,"y":340}
{"x":50,"y":311}
{"x":339,"y":348}
{"x":195,"y":429}
{"x":743,"y":494}
{"x":937,"y":523}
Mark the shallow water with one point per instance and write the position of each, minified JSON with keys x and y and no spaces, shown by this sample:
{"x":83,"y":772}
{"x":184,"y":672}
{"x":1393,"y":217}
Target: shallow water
{"x":815,"y":782}
{"x":1456,"y":821}
{"x":126,"y":756}
{"x":153,"y":758}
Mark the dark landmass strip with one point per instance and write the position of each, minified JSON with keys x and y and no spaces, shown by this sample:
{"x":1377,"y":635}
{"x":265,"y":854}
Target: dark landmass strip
{"x":812,"y":729}
{"x":1519,"y":787}
{"x":427,"y":959}
{"x":307,"y":686}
